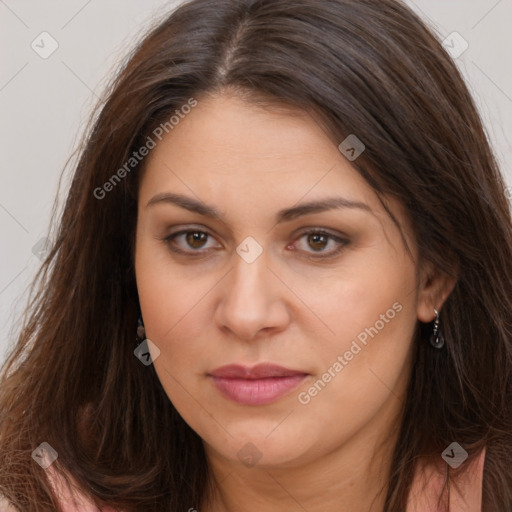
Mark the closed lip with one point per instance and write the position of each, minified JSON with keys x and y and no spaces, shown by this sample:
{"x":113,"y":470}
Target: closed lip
{"x":257,"y":385}
{"x":260,"y":371}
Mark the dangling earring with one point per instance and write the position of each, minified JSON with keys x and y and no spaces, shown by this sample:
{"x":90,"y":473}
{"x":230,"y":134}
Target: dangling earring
{"x":436,"y":338}
{"x":141,"y":331}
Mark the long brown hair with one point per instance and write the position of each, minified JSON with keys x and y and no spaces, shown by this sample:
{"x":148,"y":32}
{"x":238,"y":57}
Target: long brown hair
{"x":368,"y":67}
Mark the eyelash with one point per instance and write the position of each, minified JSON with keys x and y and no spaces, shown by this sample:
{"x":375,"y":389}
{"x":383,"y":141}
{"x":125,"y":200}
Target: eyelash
{"x":198,"y":253}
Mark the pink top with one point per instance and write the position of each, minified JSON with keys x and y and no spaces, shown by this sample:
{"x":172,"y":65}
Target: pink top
{"x":423,"y":497}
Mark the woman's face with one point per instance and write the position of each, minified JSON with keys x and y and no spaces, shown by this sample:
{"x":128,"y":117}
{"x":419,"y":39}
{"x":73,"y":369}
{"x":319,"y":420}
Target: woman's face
{"x":337,"y":310}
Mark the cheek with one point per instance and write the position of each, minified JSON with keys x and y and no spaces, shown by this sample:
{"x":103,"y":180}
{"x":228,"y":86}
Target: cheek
{"x":372,"y":311}
{"x":370,"y":296}
{"x":171,"y":304}
{"x":173,"y":300}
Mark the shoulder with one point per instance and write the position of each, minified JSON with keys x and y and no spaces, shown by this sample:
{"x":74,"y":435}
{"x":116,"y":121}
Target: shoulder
{"x":70,"y":501}
{"x":5,"y":506}
{"x":427,"y":493}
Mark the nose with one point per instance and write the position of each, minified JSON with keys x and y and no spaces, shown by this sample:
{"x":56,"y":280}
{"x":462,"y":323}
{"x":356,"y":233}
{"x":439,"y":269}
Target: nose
{"x":252,"y":300}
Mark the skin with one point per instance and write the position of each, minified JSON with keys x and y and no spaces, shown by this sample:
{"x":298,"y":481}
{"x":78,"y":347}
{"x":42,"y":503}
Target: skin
{"x":203,"y":312}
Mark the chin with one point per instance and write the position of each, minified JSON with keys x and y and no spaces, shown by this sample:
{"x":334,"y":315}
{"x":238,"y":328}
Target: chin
{"x":252,"y":448}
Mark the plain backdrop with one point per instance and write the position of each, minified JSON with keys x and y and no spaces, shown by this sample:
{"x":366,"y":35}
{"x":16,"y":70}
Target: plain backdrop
{"x":46,"y":99}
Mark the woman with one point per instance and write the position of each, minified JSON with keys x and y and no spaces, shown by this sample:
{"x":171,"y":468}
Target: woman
{"x":282,"y":280}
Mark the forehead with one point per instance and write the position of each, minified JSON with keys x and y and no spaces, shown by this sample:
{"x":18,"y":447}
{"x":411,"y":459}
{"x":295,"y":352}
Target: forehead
{"x":226,"y":143}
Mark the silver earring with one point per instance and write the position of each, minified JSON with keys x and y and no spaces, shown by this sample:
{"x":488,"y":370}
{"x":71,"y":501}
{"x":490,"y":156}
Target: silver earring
{"x":436,"y":338}
{"x":141,"y":331}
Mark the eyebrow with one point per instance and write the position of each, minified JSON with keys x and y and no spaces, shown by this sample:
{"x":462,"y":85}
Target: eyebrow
{"x":285,"y":215}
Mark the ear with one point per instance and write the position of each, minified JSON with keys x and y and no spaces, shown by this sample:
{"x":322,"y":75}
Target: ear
{"x":434,"y":288}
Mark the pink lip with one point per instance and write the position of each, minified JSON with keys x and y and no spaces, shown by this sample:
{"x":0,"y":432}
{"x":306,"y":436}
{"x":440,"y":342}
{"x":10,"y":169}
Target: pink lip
{"x":259,"y":385}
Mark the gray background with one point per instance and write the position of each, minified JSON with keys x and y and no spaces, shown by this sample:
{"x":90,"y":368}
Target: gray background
{"x":44,"y":103}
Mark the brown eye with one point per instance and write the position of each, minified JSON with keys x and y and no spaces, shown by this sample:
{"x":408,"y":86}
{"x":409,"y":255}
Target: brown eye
{"x":317,"y":241}
{"x":190,"y":242}
{"x":196,"y":239}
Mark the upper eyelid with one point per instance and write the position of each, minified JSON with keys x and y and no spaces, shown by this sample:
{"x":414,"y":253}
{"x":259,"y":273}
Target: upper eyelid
{"x":300,"y":232}
{"x":206,"y":229}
